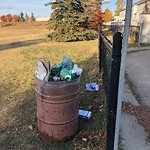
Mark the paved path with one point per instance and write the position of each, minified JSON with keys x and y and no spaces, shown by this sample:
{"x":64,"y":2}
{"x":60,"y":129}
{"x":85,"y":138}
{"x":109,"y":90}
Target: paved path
{"x":138,"y":71}
{"x":133,"y":135}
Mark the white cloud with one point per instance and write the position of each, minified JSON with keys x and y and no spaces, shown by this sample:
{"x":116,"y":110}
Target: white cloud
{"x":106,"y":1}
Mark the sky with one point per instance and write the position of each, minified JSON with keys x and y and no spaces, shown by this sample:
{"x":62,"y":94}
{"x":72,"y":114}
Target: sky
{"x":37,"y":7}
{"x":111,"y":4}
{"x":26,"y":6}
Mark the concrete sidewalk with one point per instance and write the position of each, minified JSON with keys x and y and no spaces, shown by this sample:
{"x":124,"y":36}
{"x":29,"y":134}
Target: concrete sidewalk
{"x":136,"y":49}
{"x":133,"y":135}
{"x":138,"y":72}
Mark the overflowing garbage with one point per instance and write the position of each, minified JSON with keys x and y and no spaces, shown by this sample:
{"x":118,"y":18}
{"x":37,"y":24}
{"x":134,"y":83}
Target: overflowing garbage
{"x":65,"y":71}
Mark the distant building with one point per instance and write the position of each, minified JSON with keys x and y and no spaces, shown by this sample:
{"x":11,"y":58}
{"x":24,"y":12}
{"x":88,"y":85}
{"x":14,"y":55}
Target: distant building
{"x":140,"y":17}
{"x":139,"y":10}
{"x":42,"y":19}
{"x":115,"y":21}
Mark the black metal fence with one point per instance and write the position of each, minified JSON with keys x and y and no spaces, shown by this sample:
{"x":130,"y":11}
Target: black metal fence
{"x":105,"y":62}
{"x":110,"y":59}
{"x":134,"y":32}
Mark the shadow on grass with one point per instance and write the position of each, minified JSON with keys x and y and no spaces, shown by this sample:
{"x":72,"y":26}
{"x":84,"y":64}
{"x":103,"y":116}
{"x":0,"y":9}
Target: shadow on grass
{"x":22,"y":134}
{"x":22,"y":43}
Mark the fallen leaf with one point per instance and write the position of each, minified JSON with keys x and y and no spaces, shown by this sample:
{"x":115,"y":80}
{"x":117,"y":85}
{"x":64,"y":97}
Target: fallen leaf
{"x":84,"y":139}
{"x":89,"y":108}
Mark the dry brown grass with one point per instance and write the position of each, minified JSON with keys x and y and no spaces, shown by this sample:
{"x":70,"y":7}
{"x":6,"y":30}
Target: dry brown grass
{"x":18,"y":53}
{"x":22,"y":32}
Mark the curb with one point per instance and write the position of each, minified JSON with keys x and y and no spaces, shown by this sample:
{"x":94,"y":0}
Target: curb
{"x":136,"y":49}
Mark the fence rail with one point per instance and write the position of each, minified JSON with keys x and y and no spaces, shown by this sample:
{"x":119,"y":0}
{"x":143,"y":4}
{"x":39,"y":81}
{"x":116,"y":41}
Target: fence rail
{"x":110,"y":59}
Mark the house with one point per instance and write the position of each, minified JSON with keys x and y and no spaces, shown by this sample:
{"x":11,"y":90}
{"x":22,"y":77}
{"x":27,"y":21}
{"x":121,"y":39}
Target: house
{"x":139,"y":10}
{"x":42,"y":19}
{"x":140,"y":17}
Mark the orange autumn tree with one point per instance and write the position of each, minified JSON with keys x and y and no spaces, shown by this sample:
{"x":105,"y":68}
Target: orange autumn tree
{"x":8,"y":17}
{"x":96,"y":18}
{"x":3,"y":19}
{"x":107,"y":16}
{"x":15,"y":18}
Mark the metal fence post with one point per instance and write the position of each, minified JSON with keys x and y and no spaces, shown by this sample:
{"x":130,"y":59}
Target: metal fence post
{"x":140,"y":34}
{"x":99,"y":47}
{"x":114,"y":82}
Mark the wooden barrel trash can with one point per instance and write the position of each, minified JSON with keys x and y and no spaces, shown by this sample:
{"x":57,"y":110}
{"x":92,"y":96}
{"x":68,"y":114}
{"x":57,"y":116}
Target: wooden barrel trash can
{"x":57,"y":109}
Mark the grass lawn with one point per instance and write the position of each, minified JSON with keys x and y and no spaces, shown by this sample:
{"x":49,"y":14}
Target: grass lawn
{"x":20,"y":46}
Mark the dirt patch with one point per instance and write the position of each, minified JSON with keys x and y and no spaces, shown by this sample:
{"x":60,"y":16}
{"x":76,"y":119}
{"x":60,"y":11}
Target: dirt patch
{"x":22,"y":43}
{"x":24,"y":24}
{"x":142,"y":114}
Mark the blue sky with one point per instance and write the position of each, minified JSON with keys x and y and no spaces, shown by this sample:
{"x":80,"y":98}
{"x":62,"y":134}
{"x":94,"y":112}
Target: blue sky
{"x":111,"y":4}
{"x":37,"y":7}
{"x":26,"y":6}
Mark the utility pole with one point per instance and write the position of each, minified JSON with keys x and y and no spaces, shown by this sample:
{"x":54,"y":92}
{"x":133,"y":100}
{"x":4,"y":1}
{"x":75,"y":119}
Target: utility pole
{"x":122,"y":70}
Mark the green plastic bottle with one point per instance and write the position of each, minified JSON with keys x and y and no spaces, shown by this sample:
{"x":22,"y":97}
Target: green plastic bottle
{"x":67,"y":75}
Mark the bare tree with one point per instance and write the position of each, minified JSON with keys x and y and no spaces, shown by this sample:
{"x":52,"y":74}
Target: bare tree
{"x":147,"y":9}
